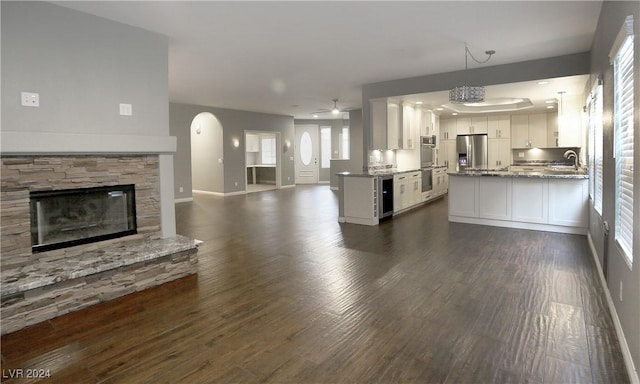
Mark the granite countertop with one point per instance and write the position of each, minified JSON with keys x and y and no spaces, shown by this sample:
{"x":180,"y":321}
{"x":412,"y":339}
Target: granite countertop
{"x":50,"y":272}
{"x":542,"y":174}
{"x":378,"y":173}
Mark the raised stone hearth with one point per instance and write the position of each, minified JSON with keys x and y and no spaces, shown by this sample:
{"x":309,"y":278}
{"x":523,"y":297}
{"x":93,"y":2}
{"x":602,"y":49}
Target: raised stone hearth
{"x":39,"y":286}
{"x":38,"y":292}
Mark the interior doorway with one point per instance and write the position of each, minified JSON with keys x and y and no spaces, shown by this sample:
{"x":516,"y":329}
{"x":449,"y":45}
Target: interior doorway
{"x":262,"y":160}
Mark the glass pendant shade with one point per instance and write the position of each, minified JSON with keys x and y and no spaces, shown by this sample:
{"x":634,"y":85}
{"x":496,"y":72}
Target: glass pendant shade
{"x":466,"y":94}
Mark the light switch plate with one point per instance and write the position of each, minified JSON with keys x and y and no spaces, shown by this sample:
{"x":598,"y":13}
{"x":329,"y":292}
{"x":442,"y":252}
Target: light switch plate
{"x":30,"y":99}
{"x":126,"y":109}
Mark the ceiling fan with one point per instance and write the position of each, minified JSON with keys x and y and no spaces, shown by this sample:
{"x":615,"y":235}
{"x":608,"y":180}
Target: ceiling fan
{"x":334,"y":110}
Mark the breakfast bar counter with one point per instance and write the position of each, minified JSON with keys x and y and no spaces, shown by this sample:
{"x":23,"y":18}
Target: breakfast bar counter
{"x":545,"y":200}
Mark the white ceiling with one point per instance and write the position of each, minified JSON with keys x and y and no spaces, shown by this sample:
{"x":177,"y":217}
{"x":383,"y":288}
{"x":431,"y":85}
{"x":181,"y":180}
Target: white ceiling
{"x":293,"y":58}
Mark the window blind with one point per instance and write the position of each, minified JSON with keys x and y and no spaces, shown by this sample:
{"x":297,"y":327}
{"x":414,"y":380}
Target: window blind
{"x":595,"y":148}
{"x":268,"y":149}
{"x":623,"y":141}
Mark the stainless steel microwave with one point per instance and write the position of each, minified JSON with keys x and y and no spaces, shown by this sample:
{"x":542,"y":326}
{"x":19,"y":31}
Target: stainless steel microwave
{"x":428,"y":140}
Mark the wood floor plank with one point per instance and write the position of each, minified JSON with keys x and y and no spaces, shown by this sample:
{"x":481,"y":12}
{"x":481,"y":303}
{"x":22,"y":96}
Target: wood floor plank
{"x":284,"y":293}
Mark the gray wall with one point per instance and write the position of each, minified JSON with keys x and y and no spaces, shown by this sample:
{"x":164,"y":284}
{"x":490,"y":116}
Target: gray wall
{"x":354,"y":164}
{"x":611,"y":19}
{"x":234,"y":124}
{"x":83,"y":67}
{"x":569,"y":65}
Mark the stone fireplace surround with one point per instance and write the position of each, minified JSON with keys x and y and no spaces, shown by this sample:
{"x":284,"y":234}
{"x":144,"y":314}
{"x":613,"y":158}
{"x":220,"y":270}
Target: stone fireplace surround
{"x":37,"y":287}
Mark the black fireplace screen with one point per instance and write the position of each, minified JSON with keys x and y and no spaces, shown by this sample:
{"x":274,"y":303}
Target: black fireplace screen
{"x":78,"y":216}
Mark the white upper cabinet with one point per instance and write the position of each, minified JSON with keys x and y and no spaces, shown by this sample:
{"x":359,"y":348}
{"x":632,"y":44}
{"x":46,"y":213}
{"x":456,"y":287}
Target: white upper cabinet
{"x":529,"y":131}
{"x":499,"y":153}
{"x":570,"y":132}
{"x":385,"y":124}
{"x":406,"y":139}
{"x":448,"y":129}
{"x":471,"y":125}
{"x":499,"y":126}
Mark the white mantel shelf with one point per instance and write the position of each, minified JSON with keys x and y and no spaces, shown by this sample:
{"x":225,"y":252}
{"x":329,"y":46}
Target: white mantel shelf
{"x":28,"y":143}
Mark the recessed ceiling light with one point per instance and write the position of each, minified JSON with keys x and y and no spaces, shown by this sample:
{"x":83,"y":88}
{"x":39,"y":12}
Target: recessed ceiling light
{"x":550,"y":101}
{"x":550,"y":107}
{"x":543,"y":82}
{"x":439,"y":109}
{"x":418,"y":102}
{"x":454,"y":114}
{"x":315,"y":116}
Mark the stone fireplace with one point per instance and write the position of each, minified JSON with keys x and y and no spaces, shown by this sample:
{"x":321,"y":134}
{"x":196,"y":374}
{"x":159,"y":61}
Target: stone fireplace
{"x":78,"y":230}
{"x":26,"y":175}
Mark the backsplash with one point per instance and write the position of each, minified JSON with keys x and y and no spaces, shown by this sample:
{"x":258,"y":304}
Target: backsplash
{"x":379,"y":159}
{"x":543,"y":156}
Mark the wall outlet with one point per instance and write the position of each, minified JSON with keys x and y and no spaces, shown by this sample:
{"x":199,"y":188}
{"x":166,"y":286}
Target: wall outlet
{"x":29,"y":99}
{"x":220,"y":160}
{"x":520,"y":154}
{"x":126,"y":110}
{"x":291,"y":158}
{"x":181,"y":189}
{"x":288,"y":178}
{"x":620,"y":291}
{"x":236,"y":183}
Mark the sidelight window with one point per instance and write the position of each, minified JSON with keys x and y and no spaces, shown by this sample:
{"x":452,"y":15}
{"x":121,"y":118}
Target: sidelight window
{"x":325,"y":147}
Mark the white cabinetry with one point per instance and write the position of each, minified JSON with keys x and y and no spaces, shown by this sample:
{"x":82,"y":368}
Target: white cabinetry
{"x":407,"y":191}
{"x":547,"y":204}
{"x":427,"y":121}
{"x":400,"y":192}
{"x":447,"y":155}
{"x":530,"y":200}
{"x":568,"y":202}
{"x":495,"y":198}
{"x":448,"y":129}
{"x":529,"y":131}
{"x":440,"y":182}
{"x":406,"y":140}
{"x":471,"y":125}
{"x":499,"y":126}
{"x":385,"y":124}
{"x":552,"y":130}
{"x":360,"y":200}
{"x":463,"y":196}
{"x":499,"y":153}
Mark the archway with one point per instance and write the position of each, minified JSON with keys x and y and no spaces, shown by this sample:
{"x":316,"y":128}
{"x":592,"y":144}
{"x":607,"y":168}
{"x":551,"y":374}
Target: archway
{"x":207,"y":153}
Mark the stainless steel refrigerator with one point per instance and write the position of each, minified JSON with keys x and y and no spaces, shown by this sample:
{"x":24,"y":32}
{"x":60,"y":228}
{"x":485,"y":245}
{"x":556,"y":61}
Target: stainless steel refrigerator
{"x":472,"y":151}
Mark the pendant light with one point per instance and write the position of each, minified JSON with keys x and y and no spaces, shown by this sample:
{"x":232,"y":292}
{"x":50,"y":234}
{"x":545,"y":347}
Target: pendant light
{"x":466,"y":93}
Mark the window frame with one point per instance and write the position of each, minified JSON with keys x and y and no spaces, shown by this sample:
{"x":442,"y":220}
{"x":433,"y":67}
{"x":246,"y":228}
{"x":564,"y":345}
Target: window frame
{"x":622,"y":59}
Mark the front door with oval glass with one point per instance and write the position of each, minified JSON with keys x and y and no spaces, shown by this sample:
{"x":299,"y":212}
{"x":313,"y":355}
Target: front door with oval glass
{"x":306,"y":154}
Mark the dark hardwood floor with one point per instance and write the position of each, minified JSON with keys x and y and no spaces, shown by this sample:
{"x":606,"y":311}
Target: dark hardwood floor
{"x":286,"y":294}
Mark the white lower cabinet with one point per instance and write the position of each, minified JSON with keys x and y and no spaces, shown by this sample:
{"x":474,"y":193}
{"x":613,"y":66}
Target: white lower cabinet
{"x":463,"y":196}
{"x":407,"y":191}
{"x":555,"y":205}
{"x":568,"y":201}
{"x":360,"y":200}
{"x":530,"y":200}
{"x":495,"y":198}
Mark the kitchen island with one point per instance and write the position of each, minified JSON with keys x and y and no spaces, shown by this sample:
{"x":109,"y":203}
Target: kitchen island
{"x":545,"y":200}
{"x":366,"y":198}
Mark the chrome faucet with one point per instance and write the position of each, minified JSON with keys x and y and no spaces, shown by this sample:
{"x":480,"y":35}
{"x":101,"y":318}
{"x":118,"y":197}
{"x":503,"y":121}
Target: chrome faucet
{"x":571,"y":154}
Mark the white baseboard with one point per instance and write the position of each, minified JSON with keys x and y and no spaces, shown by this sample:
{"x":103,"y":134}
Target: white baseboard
{"x":626,"y":353}
{"x":287,"y":186}
{"x":183,"y":200}
{"x":335,"y":188}
{"x":219,"y":194}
